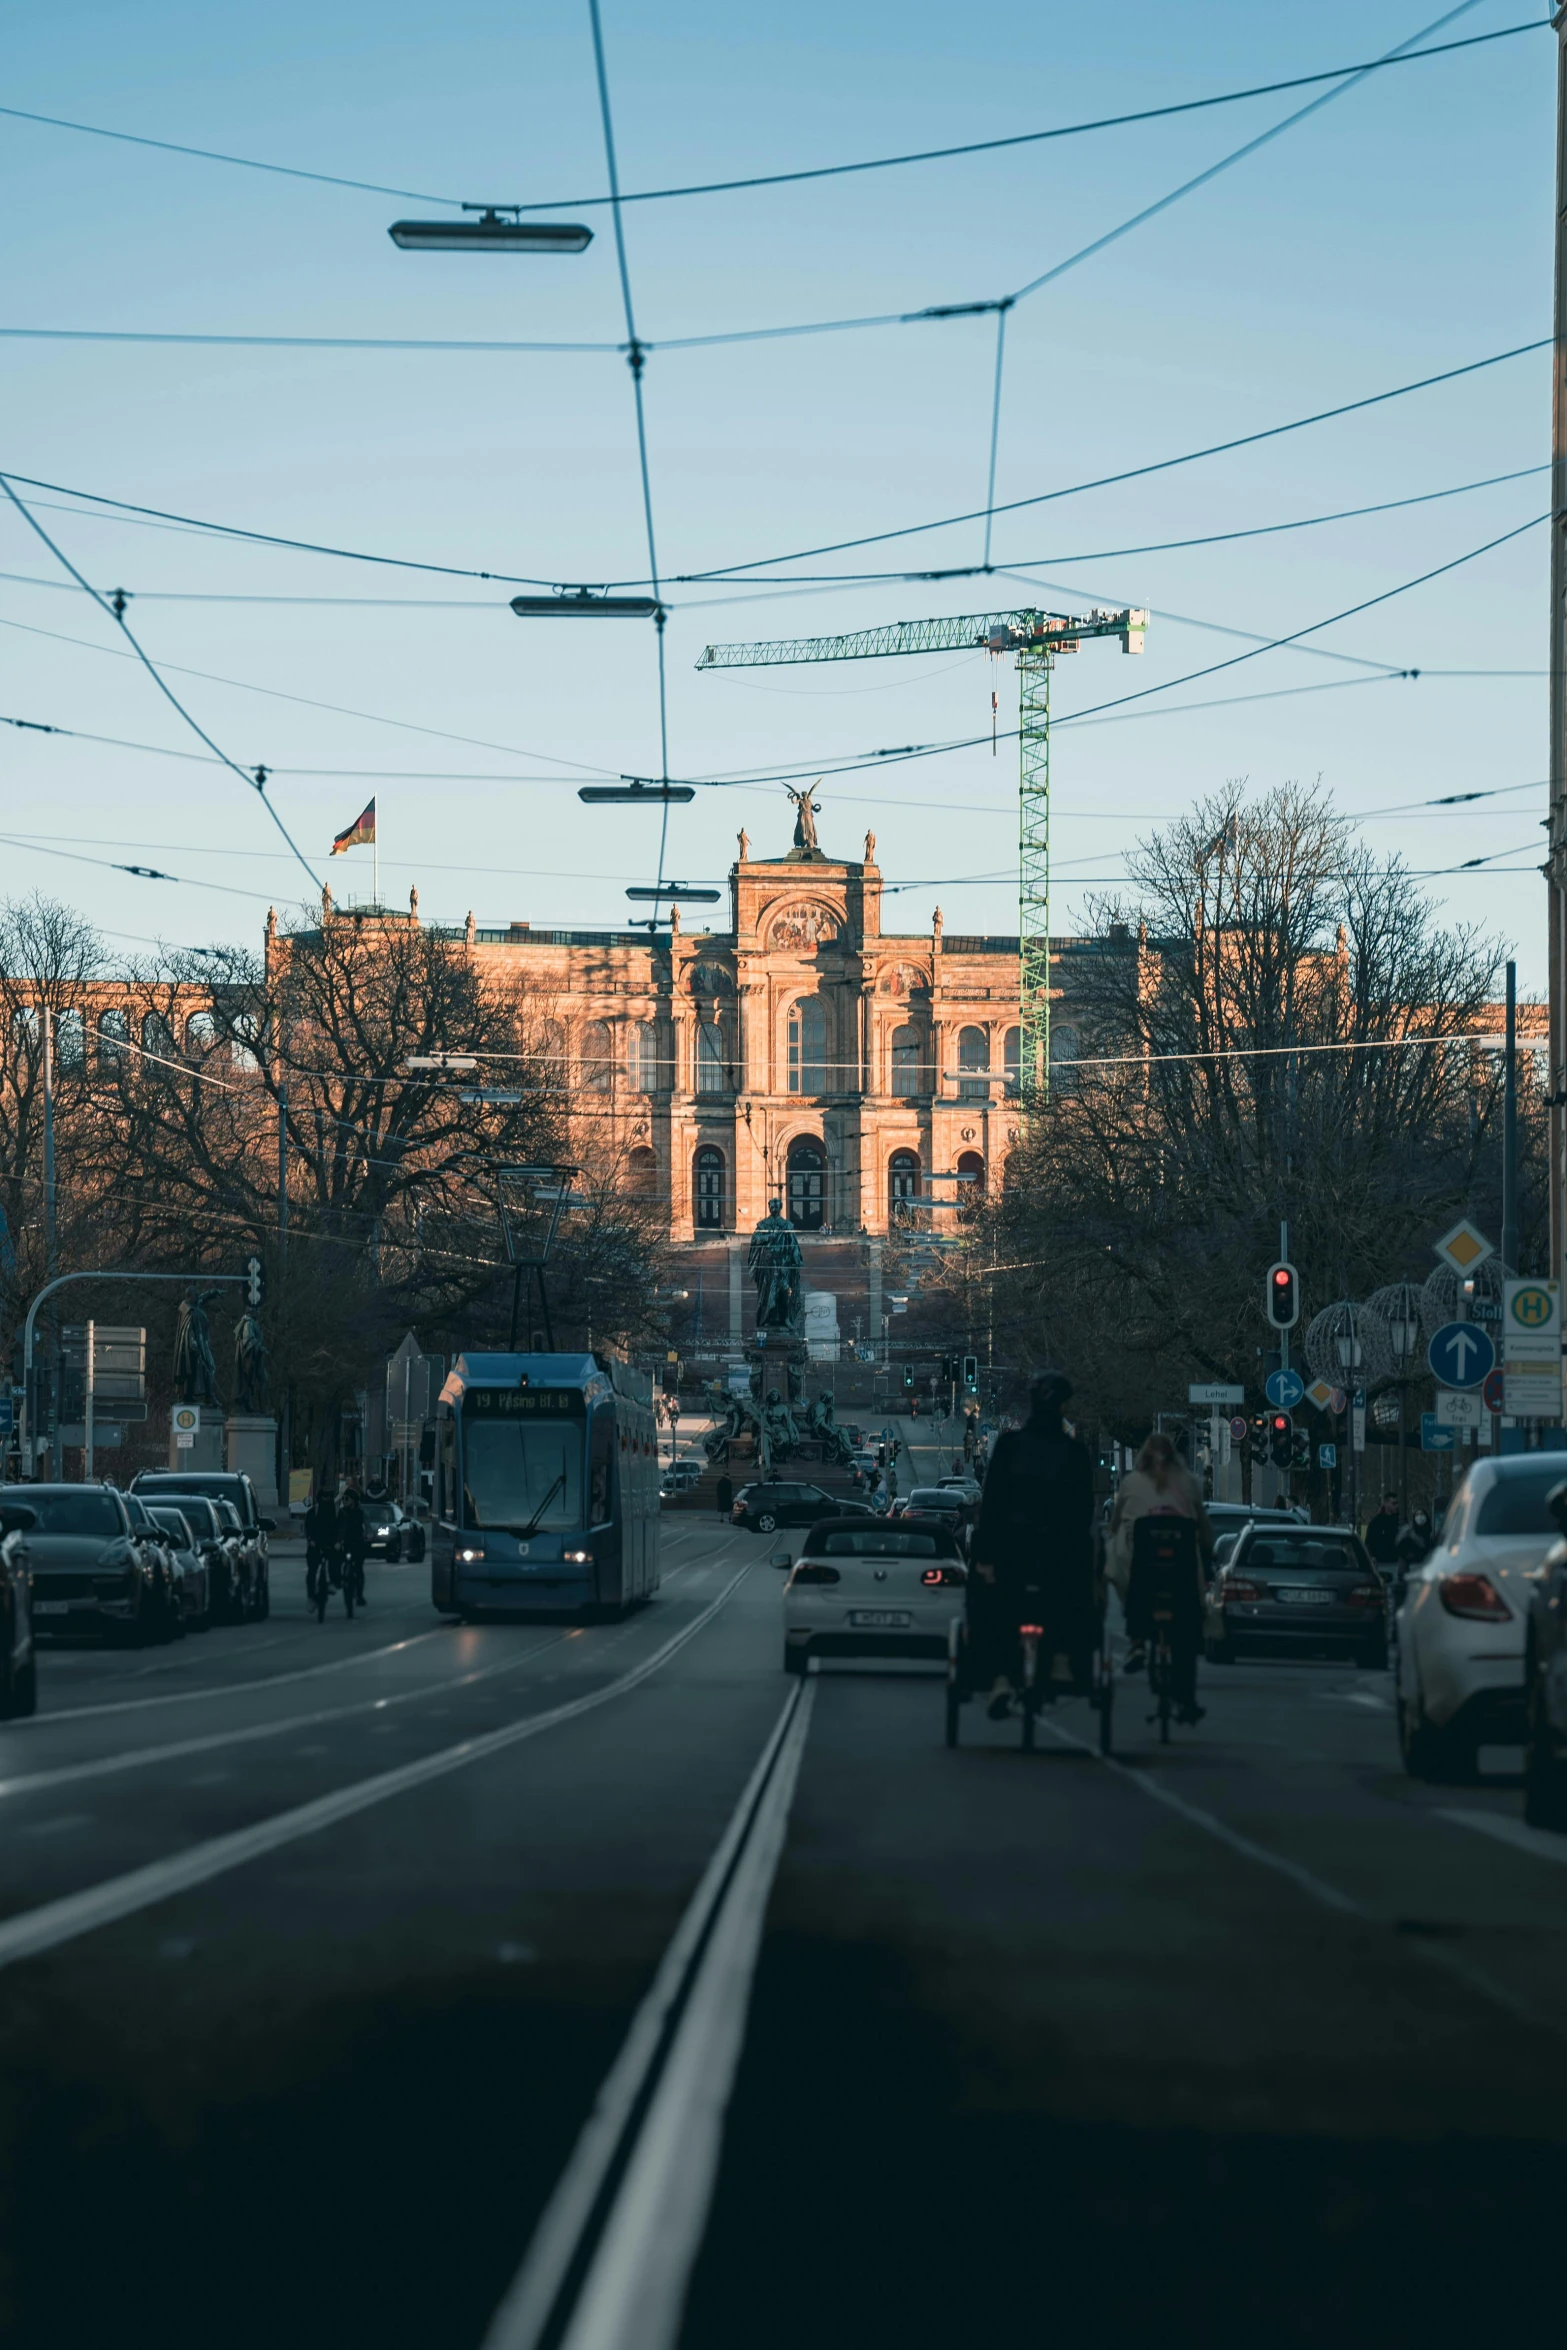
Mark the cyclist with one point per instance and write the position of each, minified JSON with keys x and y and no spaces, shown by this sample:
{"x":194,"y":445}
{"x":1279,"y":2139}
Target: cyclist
{"x":1158,"y":1486}
{"x":1032,"y":1547}
{"x":320,"y":1541}
{"x":353,"y":1537}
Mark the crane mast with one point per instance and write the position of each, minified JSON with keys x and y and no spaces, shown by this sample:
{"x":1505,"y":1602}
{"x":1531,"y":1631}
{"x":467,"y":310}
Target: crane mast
{"x":1036,"y":638}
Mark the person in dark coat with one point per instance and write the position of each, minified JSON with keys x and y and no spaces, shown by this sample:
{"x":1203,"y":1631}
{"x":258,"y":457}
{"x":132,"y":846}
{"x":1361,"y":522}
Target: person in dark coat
{"x":354,"y":1537}
{"x":725,"y":1494}
{"x":1032,"y":1548}
{"x":320,"y":1539}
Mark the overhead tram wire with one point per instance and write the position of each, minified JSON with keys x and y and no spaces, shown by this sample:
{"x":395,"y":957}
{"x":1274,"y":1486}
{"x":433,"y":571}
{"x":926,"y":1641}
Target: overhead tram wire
{"x":253,"y":782}
{"x":776,"y":179}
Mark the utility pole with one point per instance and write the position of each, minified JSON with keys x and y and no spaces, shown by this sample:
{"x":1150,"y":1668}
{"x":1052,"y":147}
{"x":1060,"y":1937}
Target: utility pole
{"x":1510,"y":1127}
{"x":51,"y":1234}
{"x":1557,"y":818}
{"x":286,"y":1417}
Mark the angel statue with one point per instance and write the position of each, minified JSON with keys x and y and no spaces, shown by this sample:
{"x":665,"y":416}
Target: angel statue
{"x":806,"y":812}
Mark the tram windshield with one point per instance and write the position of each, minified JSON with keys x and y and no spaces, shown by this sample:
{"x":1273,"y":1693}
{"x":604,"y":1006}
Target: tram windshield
{"x":523,"y":1461}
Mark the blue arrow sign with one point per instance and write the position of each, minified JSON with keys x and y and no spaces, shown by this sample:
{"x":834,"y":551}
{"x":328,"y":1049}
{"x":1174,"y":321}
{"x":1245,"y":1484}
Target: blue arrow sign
{"x":1434,"y":1438}
{"x":1284,"y":1389}
{"x":1461,"y":1355}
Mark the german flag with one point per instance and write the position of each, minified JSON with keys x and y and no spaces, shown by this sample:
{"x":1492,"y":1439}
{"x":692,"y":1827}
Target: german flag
{"x":358,"y":835}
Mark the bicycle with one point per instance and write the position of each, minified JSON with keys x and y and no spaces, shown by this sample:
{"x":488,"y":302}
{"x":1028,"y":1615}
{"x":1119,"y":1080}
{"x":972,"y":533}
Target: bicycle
{"x":321,"y":1580}
{"x":1161,"y":1670}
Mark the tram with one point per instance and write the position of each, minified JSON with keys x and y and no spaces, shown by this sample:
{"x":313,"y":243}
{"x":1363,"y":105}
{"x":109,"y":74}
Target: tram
{"x":546,"y":1486}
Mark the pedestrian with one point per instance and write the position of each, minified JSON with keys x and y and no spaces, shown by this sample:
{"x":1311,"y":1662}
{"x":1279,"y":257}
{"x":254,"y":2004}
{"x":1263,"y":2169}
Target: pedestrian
{"x":320,"y":1539}
{"x":1032,"y":1548}
{"x":725,"y":1496}
{"x":1157,"y":1486}
{"x":353,"y":1537}
{"x":1382,"y":1531}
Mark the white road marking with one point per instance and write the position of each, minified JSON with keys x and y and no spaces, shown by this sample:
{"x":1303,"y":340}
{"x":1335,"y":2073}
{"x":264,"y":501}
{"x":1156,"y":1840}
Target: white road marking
{"x":654,"y":2230}
{"x":98,"y":1905}
{"x":221,"y":1689}
{"x":1507,"y":1830}
{"x":1365,"y":1697}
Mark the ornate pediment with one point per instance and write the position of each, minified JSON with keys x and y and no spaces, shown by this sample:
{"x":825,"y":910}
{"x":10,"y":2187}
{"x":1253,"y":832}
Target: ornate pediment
{"x":802,"y":925}
{"x":902,"y":979}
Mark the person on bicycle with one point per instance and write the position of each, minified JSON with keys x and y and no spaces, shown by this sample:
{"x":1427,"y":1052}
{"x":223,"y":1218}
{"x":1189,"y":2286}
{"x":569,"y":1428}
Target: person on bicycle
{"x":1158,"y":1486}
{"x":353,"y":1537}
{"x":1032,"y":1547}
{"x":320,"y":1539}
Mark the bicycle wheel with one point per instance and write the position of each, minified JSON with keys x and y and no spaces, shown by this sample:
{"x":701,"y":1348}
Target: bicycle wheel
{"x":1106,"y":1702}
{"x":321,"y":1594}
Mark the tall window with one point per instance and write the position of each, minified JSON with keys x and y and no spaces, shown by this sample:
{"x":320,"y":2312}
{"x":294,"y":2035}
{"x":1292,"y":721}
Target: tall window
{"x":903,"y":1185}
{"x":642,"y":1171}
{"x":807,"y":1184}
{"x":711,"y":1075}
{"x":807,"y":1055}
{"x":201,"y":1033}
{"x":973,"y":1056}
{"x":157,"y":1036}
{"x":648,"y":1062}
{"x":971,"y":1183}
{"x":113,"y":1032}
{"x":1064,"y":1049}
{"x":1012,"y":1058}
{"x":707,"y":1170}
{"x":598,"y":1057}
{"x":70,"y":1040}
{"x":906,"y":1062}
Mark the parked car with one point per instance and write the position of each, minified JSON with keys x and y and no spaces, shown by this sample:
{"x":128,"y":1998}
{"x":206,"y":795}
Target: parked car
{"x":968,"y":1486}
{"x":94,"y":1570}
{"x":1290,"y":1588}
{"x":391,"y":1532}
{"x":222,"y":1550}
{"x":765,"y":1507}
{"x":1461,"y":1625}
{"x":1545,"y":1682}
{"x":874,"y":1589}
{"x":230,"y":1486}
{"x":192,"y":1572}
{"x":18,"y":1657}
{"x":679,"y":1477}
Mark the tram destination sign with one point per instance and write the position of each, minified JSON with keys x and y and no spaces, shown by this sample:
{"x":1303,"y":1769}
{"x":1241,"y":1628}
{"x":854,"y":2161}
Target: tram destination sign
{"x":526,"y":1403}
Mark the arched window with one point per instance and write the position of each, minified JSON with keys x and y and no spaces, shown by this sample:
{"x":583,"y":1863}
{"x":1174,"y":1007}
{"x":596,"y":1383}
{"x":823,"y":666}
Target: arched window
{"x":27,"y":1033}
{"x":201,"y":1034}
{"x":1012,"y":1058}
{"x":642,"y":1171}
{"x":711,"y":1074}
{"x":649,"y":1064}
{"x":245,"y":1041}
{"x":971,"y":1183}
{"x":807,"y":1183}
{"x":598,"y":1057}
{"x":1064,"y":1049}
{"x":157,"y":1036}
{"x":549,"y":1053}
{"x":70,"y":1040}
{"x":807,"y":1057}
{"x":906,"y":1058}
{"x":113,"y":1033}
{"x":973,"y":1055}
{"x":903,"y":1185}
{"x":707,"y":1172}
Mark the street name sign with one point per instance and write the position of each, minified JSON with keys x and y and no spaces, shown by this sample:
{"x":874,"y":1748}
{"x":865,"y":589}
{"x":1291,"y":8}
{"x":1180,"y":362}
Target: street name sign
{"x":1284,"y":1389}
{"x":1460,"y":1355}
{"x":1434,"y":1437}
{"x":1216,"y":1394}
{"x":1464,"y":1247}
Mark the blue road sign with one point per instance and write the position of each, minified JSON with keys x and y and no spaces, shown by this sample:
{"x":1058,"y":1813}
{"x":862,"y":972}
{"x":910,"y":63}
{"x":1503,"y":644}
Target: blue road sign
{"x":1461,"y":1355}
{"x":1327,"y":1456}
{"x":1284,"y":1389}
{"x":1433,"y":1436}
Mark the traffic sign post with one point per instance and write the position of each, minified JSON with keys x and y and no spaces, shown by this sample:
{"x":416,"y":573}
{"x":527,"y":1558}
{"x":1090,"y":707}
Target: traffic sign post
{"x":1460,"y":1354}
{"x":1214,"y":1395}
{"x":1284,"y":1389}
{"x":1532,"y":1350}
{"x":1433,"y":1436}
{"x":1464,"y":1247}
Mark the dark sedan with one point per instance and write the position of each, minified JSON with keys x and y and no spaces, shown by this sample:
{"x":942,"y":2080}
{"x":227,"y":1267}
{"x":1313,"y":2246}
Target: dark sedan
{"x":391,"y":1532}
{"x":1545,"y":1684}
{"x":94,"y":1571}
{"x":18,"y":1660}
{"x":764,"y":1507}
{"x":224,"y":1486}
{"x":1294,"y":1589}
{"x":223,"y":1552}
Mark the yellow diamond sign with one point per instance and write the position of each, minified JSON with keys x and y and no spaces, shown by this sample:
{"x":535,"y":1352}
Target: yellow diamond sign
{"x":1464,"y":1247}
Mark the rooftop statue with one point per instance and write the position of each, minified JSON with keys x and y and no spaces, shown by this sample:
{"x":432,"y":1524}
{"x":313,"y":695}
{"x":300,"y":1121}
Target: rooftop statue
{"x":805,"y":815}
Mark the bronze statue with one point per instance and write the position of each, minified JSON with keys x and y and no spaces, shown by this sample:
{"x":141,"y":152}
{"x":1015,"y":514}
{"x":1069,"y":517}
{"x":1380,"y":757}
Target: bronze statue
{"x":195,"y":1371}
{"x":780,"y":1436}
{"x":252,"y":1371}
{"x":805,"y":815}
{"x":777,"y":1268}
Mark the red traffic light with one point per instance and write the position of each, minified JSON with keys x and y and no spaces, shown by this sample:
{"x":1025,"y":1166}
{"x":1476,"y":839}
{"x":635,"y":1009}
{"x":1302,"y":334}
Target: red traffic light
{"x":1281,"y":1296}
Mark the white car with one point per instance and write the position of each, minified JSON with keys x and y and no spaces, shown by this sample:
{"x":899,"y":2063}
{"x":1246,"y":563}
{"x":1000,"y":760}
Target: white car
{"x":872,"y":1587}
{"x":1459,"y":1671}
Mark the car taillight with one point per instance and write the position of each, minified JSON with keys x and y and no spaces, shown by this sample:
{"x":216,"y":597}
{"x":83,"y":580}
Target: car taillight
{"x":1031,"y":1631}
{"x":1475,"y":1596}
{"x":1237,"y":1587}
{"x":1364,"y":1595}
{"x":813,"y":1574}
{"x":944,"y":1575}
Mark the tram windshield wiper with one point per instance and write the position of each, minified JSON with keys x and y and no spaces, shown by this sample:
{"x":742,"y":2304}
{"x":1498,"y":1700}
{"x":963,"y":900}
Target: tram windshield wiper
{"x":532,"y":1527}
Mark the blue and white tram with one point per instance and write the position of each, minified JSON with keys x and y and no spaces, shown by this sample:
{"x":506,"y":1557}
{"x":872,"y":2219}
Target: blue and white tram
{"x":546,"y":1486}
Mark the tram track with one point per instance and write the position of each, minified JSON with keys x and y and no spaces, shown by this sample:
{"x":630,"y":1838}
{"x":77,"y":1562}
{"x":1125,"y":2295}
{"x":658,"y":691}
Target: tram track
{"x":611,"y":2257}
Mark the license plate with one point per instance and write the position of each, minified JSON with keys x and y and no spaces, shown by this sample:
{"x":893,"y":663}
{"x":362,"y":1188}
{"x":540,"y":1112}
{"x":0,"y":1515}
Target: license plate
{"x":51,"y":1607}
{"x":879,"y":1619}
{"x":1306,"y":1598}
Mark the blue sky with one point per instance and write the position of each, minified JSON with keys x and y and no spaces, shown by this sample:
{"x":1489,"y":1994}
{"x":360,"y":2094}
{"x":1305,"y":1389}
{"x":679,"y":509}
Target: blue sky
{"x":1402,"y":230}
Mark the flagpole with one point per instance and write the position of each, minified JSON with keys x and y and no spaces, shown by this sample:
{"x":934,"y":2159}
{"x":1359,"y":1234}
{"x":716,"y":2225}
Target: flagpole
{"x":375,"y":851}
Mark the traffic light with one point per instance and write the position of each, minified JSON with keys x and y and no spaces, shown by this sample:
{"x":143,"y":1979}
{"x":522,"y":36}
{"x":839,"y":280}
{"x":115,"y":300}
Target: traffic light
{"x":1257,"y":1436}
{"x":1281,"y":1439}
{"x":1281,"y":1296}
{"x":971,"y":1372}
{"x":908,"y":1377}
{"x":255,"y":1281}
{"x":1300,"y":1456}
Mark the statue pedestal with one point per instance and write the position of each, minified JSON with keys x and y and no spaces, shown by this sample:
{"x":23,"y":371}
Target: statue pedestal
{"x":250,"y":1447}
{"x":203,"y":1448}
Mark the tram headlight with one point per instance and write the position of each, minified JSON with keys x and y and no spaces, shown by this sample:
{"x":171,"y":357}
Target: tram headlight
{"x":469,"y":1558}
{"x":577,"y":1558}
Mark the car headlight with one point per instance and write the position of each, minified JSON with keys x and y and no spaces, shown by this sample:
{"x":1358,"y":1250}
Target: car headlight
{"x":381,"y":1533}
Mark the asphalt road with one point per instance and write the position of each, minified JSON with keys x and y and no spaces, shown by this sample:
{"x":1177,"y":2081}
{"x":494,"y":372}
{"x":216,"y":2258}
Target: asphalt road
{"x":318,"y":1943}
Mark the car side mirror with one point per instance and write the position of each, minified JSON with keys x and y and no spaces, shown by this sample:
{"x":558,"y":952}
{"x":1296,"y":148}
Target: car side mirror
{"x":781,"y":1558}
{"x":267,"y":1525}
{"x":16,"y":1518}
{"x":1556,"y":1503}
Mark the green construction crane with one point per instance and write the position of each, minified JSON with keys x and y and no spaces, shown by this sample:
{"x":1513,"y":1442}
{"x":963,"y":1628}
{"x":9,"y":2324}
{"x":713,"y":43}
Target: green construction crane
{"x":1036,"y":638}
